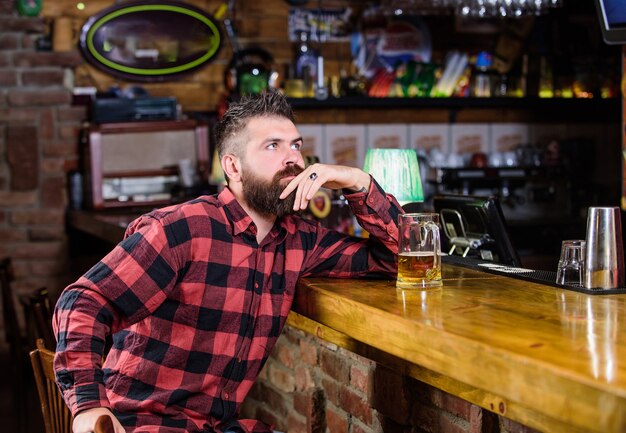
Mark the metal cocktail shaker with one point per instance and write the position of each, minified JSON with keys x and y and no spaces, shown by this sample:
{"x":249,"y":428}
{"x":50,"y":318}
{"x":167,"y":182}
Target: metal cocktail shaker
{"x":604,"y":257}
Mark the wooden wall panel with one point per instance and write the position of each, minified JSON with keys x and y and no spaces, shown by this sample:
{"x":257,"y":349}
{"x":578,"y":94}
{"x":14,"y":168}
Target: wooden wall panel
{"x":262,"y":27}
{"x":258,"y":23}
{"x":265,"y":8}
{"x":67,"y":8}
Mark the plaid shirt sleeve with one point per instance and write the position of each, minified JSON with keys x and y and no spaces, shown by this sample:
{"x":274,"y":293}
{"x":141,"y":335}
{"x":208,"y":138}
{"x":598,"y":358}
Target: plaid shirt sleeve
{"x":340,"y":256}
{"x":124,"y":287}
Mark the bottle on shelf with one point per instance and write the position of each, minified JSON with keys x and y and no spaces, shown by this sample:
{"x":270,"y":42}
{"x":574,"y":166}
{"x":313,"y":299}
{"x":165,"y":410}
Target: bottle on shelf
{"x":546,"y":82}
{"x":482,"y":83}
{"x":305,"y":64}
{"x":321,"y":89}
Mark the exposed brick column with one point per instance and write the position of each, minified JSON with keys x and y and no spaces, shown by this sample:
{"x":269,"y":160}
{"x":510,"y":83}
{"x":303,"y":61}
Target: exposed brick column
{"x":38,"y":146}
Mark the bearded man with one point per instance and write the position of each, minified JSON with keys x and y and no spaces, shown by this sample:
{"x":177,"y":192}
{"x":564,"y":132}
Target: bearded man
{"x":196,"y":294}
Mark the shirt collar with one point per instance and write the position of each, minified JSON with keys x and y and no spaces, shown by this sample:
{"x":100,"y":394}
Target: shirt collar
{"x":240,"y":221}
{"x":238,"y":218}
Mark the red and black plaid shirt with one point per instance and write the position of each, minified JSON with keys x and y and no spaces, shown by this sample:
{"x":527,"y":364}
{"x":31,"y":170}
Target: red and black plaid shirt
{"x":195,"y":306}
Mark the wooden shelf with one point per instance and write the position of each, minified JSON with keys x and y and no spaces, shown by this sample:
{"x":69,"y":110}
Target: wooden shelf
{"x":452,"y":110}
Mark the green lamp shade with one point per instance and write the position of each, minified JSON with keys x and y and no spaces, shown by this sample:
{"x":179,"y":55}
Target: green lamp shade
{"x":397,"y":171}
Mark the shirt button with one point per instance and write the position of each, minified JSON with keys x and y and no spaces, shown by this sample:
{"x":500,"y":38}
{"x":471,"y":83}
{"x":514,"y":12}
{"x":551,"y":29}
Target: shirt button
{"x":226,"y":395}
{"x":256,"y":285}
{"x":361,"y":202}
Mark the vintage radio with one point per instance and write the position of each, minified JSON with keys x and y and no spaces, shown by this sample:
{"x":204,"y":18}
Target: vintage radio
{"x":141,"y":163}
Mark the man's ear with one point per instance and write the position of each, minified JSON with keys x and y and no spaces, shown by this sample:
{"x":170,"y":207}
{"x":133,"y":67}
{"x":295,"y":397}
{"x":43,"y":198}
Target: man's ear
{"x":232,"y":167}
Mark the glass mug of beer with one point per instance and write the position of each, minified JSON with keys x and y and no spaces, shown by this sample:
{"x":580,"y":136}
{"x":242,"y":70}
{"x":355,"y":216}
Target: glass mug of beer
{"x":419,"y":252}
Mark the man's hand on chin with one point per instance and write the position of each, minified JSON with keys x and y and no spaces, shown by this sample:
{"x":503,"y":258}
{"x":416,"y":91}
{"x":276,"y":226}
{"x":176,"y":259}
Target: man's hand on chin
{"x":316,"y":176}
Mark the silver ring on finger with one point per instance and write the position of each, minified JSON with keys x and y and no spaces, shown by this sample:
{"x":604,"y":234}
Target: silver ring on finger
{"x":313,"y":176}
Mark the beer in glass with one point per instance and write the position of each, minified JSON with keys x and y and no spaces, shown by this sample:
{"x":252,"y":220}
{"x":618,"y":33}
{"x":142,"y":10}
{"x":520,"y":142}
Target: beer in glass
{"x":419,"y":252}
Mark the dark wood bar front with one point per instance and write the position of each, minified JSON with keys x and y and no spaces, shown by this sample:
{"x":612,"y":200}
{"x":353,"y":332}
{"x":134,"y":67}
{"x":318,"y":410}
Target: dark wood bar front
{"x":548,"y":358}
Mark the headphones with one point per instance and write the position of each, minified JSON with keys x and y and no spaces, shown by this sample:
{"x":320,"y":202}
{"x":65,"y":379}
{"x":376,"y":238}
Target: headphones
{"x":250,"y":71}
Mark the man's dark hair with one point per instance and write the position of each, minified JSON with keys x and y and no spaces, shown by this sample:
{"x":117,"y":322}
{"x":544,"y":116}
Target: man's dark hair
{"x":266,"y":104}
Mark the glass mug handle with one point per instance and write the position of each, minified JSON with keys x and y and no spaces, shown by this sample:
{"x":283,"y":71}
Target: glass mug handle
{"x":430,"y":227}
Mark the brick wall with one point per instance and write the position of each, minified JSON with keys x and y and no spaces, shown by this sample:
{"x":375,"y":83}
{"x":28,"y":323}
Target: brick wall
{"x":38,"y":146}
{"x":312,"y":386}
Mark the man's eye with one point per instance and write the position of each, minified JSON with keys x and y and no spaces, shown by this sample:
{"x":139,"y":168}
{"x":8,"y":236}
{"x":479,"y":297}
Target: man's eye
{"x":272,"y":146}
{"x":296,"y":146}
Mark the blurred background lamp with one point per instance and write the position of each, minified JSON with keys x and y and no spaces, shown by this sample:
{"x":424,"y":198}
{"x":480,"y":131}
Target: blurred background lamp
{"x":397,"y":171}
{"x":216,"y":177}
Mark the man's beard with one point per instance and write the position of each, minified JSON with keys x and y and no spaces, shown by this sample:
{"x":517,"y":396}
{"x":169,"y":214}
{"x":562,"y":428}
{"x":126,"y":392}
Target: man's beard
{"x":263,"y":196}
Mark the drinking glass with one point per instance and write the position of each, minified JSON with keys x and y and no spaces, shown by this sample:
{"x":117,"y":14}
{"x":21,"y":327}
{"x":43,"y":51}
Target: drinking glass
{"x":604,"y":255}
{"x":571,"y":263}
{"x":419,"y":259}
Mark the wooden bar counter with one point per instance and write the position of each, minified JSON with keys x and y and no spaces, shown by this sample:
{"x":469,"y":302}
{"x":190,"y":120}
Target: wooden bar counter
{"x":108,"y":226}
{"x":549,"y":358}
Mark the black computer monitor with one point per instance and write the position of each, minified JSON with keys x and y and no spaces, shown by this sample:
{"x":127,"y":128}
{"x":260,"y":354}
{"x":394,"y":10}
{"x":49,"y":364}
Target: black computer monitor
{"x":475,"y":226}
{"x":612,"y":16}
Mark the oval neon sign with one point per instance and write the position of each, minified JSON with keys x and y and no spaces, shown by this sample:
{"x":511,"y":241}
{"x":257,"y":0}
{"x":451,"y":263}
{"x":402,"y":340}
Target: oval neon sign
{"x":150,"y":41}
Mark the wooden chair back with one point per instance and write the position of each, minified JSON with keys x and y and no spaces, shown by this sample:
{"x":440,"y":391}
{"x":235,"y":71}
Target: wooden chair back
{"x":43,"y":321}
{"x":38,"y":314}
{"x":56,"y":415}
